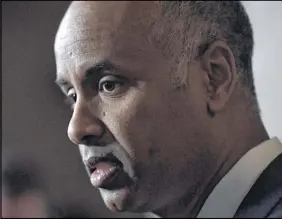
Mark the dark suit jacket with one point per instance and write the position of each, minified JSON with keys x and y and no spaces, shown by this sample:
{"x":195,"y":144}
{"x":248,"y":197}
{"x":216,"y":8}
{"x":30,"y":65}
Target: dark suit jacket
{"x":264,"y":200}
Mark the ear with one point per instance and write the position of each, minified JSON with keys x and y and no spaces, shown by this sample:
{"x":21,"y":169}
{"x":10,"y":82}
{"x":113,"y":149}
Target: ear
{"x":219,"y":65}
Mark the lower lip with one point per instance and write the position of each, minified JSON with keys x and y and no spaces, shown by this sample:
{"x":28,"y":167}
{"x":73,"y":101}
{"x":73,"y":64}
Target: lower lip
{"x":104,"y":174}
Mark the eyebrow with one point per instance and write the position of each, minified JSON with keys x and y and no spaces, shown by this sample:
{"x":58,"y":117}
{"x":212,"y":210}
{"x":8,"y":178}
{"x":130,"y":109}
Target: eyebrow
{"x":61,"y":82}
{"x":95,"y":72}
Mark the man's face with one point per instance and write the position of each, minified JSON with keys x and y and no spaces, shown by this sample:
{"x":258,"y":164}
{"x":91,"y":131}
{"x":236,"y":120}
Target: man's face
{"x":125,"y":109}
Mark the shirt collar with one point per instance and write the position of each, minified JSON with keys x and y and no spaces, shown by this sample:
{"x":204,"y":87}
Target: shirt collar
{"x":228,"y":194}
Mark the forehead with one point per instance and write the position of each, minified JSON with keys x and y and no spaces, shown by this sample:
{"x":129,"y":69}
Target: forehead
{"x":93,"y":31}
{"x":105,"y":21}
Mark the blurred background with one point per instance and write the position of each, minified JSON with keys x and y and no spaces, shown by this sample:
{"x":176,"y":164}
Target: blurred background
{"x":35,"y":119}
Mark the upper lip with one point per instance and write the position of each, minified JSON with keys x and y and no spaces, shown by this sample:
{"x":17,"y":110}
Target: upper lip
{"x":93,"y":161}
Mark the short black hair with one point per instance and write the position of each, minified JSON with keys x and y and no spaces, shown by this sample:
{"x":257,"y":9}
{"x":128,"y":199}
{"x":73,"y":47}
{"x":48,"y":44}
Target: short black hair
{"x":202,"y":22}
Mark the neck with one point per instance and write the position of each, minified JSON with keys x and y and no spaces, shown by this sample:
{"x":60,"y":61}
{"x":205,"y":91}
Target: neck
{"x":247,"y":135}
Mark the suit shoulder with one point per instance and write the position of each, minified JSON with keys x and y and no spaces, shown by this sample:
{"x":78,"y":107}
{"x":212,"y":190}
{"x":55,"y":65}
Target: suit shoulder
{"x":276,"y":212}
{"x":266,"y":194}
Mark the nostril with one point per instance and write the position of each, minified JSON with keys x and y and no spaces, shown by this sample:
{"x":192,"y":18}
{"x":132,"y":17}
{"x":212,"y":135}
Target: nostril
{"x":90,"y":140}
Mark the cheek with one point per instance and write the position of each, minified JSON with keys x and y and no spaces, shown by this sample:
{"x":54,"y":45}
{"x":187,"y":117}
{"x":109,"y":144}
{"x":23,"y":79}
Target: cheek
{"x":153,"y":126}
{"x":133,"y":121}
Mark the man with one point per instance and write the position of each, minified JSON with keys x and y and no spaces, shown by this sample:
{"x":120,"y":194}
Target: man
{"x":164,"y":108}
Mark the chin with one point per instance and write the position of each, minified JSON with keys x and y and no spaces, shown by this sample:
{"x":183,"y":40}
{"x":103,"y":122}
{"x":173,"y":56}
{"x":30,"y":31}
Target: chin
{"x":123,"y":200}
{"x":117,"y":200}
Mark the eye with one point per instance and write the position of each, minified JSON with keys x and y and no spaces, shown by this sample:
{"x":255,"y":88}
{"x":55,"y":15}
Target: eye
{"x":111,"y":85}
{"x":71,"y":96}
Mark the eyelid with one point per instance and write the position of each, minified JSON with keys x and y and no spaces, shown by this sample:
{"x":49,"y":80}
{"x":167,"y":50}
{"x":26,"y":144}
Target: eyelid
{"x":111,"y":77}
{"x":69,"y":91}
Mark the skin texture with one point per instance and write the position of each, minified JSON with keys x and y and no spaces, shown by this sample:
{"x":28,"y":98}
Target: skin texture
{"x":172,"y":149}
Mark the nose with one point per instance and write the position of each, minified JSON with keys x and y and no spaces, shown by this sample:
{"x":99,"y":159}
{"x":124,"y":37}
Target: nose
{"x":84,"y":127}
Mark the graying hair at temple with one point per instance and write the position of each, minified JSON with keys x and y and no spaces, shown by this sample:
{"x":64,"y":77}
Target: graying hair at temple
{"x":196,"y":24}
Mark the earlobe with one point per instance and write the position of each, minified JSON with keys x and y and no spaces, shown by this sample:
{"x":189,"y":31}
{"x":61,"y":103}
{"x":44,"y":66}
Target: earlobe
{"x":219,"y":64}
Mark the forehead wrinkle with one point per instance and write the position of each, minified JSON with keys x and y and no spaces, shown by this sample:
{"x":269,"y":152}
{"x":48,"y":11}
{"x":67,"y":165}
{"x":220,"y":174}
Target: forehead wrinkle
{"x":123,"y":47}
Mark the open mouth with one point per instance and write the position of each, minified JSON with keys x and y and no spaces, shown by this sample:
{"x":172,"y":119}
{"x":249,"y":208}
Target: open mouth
{"x":107,"y":172}
{"x":110,"y":158}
